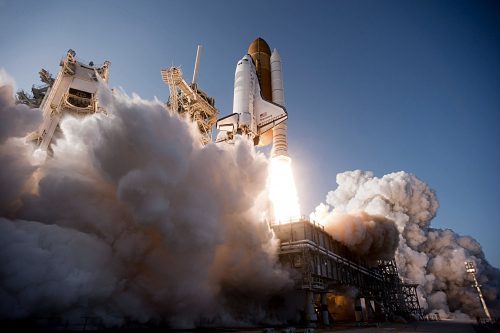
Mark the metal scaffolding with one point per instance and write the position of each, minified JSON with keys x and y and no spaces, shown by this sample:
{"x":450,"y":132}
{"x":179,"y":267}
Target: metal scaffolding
{"x":323,"y":265}
{"x":398,"y":297}
{"x":471,"y":269}
{"x":190,"y":101}
{"x":73,"y":91}
{"x":34,"y":100}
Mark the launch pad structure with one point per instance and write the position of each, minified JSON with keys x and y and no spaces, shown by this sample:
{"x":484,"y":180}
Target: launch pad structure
{"x":73,"y":91}
{"x":320,"y":265}
{"x":189,"y":100}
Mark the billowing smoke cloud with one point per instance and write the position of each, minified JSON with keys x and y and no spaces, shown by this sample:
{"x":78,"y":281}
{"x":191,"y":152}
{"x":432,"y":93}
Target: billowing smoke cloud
{"x":370,"y":236}
{"x":132,"y":220}
{"x":433,"y":258}
{"x":15,"y":122}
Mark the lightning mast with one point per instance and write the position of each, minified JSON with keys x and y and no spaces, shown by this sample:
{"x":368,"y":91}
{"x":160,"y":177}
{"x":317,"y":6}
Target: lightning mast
{"x":471,"y":269}
{"x":189,"y":100}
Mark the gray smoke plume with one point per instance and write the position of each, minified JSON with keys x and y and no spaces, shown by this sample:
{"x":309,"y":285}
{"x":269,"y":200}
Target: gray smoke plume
{"x":370,"y":236}
{"x":433,"y":258}
{"x":132,"y":220}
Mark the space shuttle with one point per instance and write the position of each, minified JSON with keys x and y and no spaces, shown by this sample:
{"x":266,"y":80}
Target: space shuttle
{"x":253,"y":115}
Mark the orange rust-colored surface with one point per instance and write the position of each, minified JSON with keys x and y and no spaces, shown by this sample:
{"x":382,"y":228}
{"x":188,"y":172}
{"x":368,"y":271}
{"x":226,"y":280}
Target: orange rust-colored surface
{"x":261,"y":54}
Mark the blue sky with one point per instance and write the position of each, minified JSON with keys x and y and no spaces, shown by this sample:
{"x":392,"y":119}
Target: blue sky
{"x":373,"y":85}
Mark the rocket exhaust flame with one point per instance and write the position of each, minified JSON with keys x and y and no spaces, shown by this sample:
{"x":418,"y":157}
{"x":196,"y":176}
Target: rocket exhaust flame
{"x":282,"y":190}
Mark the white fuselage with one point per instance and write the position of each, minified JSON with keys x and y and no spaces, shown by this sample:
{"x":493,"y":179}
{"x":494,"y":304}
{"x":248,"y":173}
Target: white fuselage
{"x":252,"y":116}
{"x":245,"y":88}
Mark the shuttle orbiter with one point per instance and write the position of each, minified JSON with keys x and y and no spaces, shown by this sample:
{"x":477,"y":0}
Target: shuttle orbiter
{"x":252,"y":115}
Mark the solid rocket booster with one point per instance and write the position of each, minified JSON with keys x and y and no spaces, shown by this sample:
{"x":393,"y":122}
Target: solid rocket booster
{"x":280,"y":141}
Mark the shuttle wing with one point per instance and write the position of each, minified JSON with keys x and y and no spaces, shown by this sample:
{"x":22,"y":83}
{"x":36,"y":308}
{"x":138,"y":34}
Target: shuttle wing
{"x":268,"y":115}
{"x":227,"y":127}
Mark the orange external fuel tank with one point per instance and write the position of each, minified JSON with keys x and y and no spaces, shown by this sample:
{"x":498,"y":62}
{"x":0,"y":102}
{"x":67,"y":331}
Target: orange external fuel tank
{"x":261,"y":54}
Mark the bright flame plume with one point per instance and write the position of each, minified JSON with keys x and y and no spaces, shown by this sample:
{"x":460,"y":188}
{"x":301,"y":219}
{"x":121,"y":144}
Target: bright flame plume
{"x":282,"y":190}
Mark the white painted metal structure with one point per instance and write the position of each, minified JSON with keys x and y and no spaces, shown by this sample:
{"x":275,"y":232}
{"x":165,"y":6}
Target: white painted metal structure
{"x":73,"y":92}
{"x":190,"y":101}
{"x":280,"y":141}
{"x":252,"y":116}
{"x":471,"y":269}
{"x":196,"y":64}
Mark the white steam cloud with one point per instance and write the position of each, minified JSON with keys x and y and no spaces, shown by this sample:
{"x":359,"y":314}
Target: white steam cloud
{"x":132,"y":220}
{"x":433,"y":258}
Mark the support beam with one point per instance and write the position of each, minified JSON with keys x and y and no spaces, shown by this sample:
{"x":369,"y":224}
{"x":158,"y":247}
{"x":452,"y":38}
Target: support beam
{"x":309,"y":308}
{"x":324,"y":310}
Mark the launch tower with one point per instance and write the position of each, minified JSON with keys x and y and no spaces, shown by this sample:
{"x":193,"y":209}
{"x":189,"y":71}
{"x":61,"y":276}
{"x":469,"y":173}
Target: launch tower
{"x":72,"y":92}
{"x":189,"y":100}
